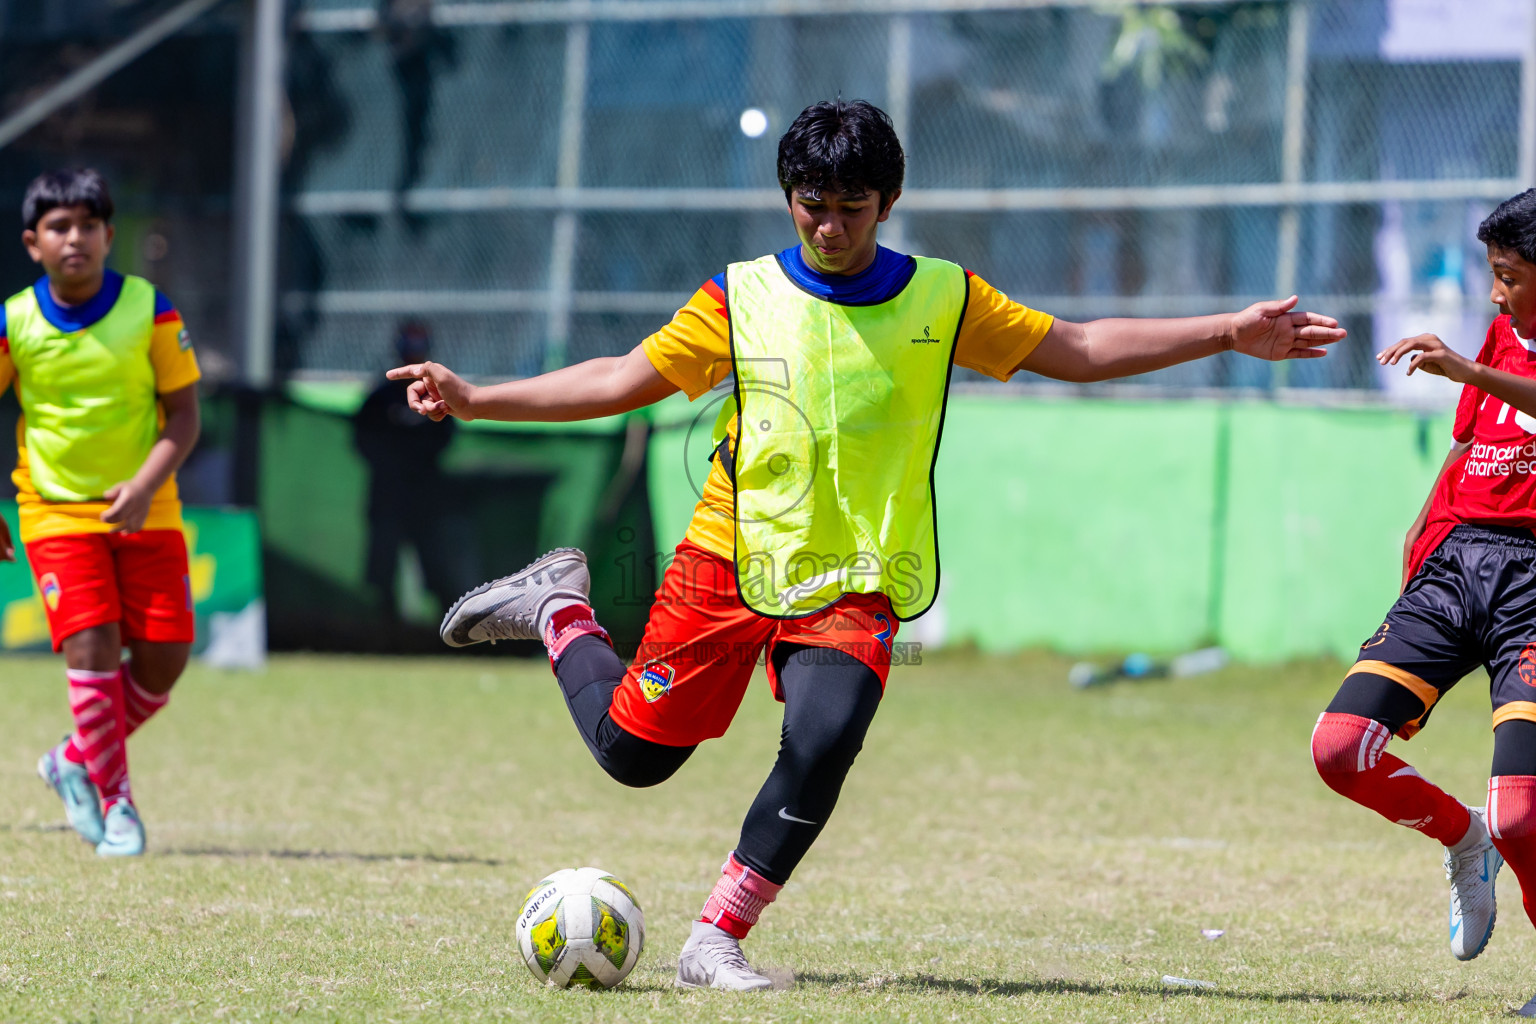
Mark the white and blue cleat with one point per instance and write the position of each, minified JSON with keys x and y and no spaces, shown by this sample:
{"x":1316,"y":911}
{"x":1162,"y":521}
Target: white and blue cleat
{"x":72,"y":783}
{"x":1472,"y":866}
{"x":124,"y":832}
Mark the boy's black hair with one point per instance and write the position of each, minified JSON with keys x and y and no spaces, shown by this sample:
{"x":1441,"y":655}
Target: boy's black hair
{"x":1512,"y":225}
{"x":842,"y":147}
{"x":74,"y":186}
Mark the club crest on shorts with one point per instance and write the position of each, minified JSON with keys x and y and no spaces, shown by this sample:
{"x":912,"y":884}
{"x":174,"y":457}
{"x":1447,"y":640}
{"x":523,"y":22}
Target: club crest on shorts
{"x":1527,"y":666}
{"x":1378,"y":637}
{"x":48,"y":586}
{"x":656,"y":681}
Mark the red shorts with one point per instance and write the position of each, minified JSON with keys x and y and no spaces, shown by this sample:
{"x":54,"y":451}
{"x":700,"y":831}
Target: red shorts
{"x":701,"y":645}
{"x":136,"y":579}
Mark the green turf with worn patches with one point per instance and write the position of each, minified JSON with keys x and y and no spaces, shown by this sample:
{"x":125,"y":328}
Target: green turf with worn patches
{"x":349,"y":839}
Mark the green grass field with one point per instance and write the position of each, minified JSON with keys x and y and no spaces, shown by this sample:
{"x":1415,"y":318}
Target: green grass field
{"x":349,"y":839}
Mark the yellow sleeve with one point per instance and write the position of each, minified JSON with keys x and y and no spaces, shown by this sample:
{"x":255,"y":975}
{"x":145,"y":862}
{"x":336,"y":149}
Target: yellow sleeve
{"x":170,"y":351}
{"x":693,"y":351}
{"x":997,"y":333}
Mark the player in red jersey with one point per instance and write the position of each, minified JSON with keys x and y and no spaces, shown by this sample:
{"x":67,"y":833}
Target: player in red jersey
{"x":1468,"y":599}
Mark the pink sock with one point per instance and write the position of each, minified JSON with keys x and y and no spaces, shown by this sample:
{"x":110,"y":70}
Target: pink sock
{"x":738,"y":898}
{"x":96,"y":699}
{"x":141,"y":704}
{"x":139,"y":707}
{"x":567,"y":624}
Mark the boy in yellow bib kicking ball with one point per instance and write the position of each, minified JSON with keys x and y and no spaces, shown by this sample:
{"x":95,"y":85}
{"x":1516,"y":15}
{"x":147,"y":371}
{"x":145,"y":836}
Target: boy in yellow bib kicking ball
{"x":815,"y":536}
{"x":104,"y":373}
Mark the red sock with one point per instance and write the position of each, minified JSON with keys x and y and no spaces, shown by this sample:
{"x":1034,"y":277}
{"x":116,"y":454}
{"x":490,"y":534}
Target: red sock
{"x":1349,"y":752}
{"x":96,"y":699}
{"x":1512,"y":822}
{"x":738,"y":898}
{"x":139,"y":707}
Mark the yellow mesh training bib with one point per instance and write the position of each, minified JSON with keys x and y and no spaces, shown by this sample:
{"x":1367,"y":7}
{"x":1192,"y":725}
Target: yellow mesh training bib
{"x":88,"y":395}
{"x":840,"y":412}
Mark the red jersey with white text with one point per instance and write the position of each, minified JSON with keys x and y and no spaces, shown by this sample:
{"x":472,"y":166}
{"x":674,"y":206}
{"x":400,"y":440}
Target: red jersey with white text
{"x":1494,"y":481}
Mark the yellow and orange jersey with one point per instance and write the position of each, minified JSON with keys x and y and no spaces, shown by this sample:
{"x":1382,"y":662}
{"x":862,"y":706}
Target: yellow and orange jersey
{"x":693,"y":351}
{"x":174,"y":366}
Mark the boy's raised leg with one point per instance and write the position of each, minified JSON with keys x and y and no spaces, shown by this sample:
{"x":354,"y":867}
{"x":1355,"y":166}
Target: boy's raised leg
{"x":1349,"y":751}
{"x":548,"y":600}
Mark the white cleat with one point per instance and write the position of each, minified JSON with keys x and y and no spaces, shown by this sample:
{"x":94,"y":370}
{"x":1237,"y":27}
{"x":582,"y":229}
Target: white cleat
{"x":513,"y":607}
{"x":1472,"y":866}
{"x":82,"y":805}
{"x":124,"y":832}
{"x":712,"y":958}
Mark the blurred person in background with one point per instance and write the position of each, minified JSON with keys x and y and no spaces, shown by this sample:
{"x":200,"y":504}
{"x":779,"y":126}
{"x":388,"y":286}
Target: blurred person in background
{"x":416,"y":46}
{"x":403,"y":452}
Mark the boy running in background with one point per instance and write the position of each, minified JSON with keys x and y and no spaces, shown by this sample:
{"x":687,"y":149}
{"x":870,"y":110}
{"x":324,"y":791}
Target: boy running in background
{"x":1468,"y":599}
{"x":104,"y":373}
{"x":815,"y":537}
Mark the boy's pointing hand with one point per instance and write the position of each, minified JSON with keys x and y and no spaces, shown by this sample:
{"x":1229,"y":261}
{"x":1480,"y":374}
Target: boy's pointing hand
{"x":436,"y":391}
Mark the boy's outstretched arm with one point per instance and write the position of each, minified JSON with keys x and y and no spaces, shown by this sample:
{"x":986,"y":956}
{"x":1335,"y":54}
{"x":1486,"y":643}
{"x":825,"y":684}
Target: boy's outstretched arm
{"x":1105,"y":349}
{"x":597,"y":387}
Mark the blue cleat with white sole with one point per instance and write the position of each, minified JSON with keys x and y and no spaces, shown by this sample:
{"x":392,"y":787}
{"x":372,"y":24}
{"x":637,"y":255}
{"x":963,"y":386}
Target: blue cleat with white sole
{"x":72,"y":783}
{"x":124,"y":832}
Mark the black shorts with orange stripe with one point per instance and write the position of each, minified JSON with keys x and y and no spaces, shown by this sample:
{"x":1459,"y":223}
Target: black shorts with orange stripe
{"x":1472,"y":602}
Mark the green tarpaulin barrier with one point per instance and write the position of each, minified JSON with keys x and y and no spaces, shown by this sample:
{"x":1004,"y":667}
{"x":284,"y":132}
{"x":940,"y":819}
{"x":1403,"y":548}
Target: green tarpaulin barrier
{"x":224,"y":563}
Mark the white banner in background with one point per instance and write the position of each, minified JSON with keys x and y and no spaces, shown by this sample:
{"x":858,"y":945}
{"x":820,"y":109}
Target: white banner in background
{"x":1430,"y":30}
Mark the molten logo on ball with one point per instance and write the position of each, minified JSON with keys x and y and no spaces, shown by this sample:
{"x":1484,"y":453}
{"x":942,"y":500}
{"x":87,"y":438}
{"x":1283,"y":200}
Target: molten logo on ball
{"x":580,"y":927}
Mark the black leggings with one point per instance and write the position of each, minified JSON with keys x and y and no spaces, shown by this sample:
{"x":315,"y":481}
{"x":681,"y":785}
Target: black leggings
{"x":1394,"y":705}
{"x":829,"y":700}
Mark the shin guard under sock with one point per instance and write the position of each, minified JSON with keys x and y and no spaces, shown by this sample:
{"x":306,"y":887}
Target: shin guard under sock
{"x":1350,"y":754}
{"x":1512,"y":824}
{"x":738,"y":898}
{"x":96,"y":700}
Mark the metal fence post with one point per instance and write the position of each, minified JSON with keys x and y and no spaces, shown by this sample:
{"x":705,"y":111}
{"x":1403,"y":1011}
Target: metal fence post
{"x":562,"y":245}
{"x":259,"y":166}
{"x":898,"y":100}
{"x":1528,"y":107}
{"x":1292,"y":148}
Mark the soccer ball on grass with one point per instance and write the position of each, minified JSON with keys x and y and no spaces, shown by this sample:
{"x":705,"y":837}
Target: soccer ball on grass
{"x":581,"y":926}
